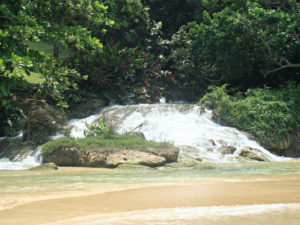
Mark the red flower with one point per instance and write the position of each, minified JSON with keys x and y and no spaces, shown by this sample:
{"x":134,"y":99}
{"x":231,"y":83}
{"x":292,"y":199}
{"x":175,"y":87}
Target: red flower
{"x":122,"y":52}
{"x":136,"y":51}
{"x":155,"y":75}
{"x":82,"y":50}
{"x":157,"y":68}
{"x":125,"y":67}
{"x":155,"y":61}
{"x":112,"y":42}
{"x":146,"y":81}
{"x":171,"y":76}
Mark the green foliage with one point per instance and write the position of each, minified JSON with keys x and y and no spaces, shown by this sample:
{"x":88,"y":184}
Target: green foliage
{"x":102,"y":128}
{"x":265,"y":113}
{"x":127,"y":75}
{"x":113,"y":141}
{"x":215,"y":98}
{"x":132,"y":25}
{"x":23,"y":25}
{"x":246,"y":44}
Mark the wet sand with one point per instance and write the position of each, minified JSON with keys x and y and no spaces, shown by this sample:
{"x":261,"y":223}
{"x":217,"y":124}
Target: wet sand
{"x":188,"y":194}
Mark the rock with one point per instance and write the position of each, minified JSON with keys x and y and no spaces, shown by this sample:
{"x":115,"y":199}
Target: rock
{"x":41,"y":122}
{"x":170,"y":154}
{"x":110,"y":157}
{"x":224,"y":150}
{"x":4,"y":144}
{"x":252,"y":153}
{"x":212,"y":142}
{"x":134,"y":157}
{"x":249,"y":136}
{"x":284,"y":143}
{"x":288,"y":146}
{"x":46,"y":166}
{"x":138,"y":134}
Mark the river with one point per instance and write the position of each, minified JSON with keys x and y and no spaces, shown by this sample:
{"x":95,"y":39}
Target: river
{"x":225,"y":188}
{"x":206,"y":193}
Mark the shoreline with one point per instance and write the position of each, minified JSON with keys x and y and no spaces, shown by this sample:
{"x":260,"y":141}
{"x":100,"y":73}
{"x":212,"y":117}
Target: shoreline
{"x":155,"y":196}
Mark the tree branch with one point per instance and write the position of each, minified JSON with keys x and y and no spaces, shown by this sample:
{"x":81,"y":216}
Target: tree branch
{"x":296,"y":36}
{"x":6,"y":17}
{"x":283,"y":67}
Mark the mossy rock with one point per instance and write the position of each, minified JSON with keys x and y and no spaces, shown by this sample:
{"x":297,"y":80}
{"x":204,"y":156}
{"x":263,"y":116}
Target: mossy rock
{"x":42,"y":121}
{"x":46,"y":166}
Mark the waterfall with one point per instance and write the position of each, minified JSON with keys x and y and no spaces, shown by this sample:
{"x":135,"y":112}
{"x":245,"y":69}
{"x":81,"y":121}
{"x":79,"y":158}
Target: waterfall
{"x":31,"y":160}
{"x":189,"y":127}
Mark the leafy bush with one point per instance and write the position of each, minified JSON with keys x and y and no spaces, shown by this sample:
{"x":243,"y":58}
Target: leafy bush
{"x":265,"y":113}
{"x":126,"y":75}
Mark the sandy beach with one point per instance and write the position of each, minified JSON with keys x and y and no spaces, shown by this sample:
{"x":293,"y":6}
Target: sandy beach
{"x":187,"y":194}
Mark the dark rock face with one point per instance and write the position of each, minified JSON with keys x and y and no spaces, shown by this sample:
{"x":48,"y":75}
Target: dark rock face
{"x":288,"y":146}
{"x":4,"y":144}
{"x":110,"y":157}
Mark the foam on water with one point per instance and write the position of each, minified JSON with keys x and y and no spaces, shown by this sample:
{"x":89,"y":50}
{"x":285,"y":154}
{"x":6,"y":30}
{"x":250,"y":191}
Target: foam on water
{"x":206,"y":215}
{"x":188,"y":127}
{"x":28,"y":162}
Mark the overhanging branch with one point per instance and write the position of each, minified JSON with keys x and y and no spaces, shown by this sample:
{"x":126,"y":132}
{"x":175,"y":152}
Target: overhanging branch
{"x":283,"y":67}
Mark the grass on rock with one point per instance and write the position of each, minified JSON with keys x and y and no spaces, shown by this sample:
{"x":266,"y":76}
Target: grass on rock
{"x":112,"y":141}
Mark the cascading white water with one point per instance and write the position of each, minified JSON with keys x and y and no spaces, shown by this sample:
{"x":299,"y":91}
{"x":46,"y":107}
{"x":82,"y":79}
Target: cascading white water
{"x":28,"y":162}
{"x":188,"y":127}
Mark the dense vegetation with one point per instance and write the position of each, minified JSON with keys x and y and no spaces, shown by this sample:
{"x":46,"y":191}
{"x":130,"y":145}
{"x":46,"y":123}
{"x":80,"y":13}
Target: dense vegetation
{"x":265,"y":113}
{"x":56,"y":54}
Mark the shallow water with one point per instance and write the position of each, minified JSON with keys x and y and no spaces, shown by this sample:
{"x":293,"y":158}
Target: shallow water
{"x":272,"y":214}
{"x":27,"y":187}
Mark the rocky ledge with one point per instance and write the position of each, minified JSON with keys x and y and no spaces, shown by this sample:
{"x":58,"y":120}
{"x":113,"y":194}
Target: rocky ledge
{"x":111,"y":157}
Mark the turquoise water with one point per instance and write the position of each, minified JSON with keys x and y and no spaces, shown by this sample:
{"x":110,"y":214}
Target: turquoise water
{"x":19,"y":186}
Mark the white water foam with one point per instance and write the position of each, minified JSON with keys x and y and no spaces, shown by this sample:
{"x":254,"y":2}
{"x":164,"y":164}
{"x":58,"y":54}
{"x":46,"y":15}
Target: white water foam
{"x":28,"y":162}
{"x":207,"y":215}
{"x":189,"y":127}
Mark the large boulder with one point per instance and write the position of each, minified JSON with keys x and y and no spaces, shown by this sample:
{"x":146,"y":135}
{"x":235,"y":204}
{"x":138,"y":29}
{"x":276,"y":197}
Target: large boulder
{"x":134,"y":157}
{"x":110,"y":157}
{"x":254,"y":154}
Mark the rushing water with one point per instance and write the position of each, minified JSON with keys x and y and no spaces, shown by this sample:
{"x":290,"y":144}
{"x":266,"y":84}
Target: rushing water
{"x":189,"y":127}
{"x":240,"y":192}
